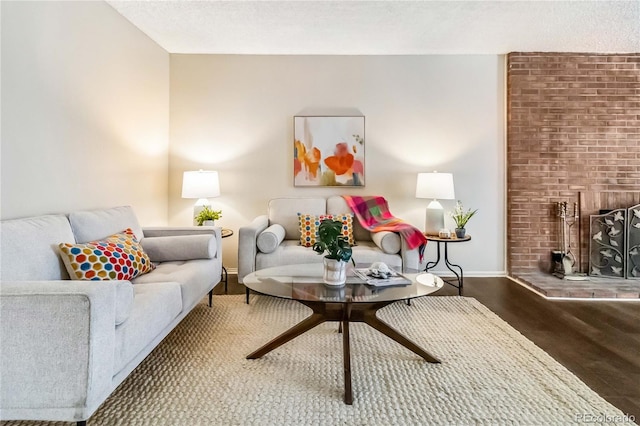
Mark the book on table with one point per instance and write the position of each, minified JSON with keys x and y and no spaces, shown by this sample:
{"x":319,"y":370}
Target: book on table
{"x":381,"y":280}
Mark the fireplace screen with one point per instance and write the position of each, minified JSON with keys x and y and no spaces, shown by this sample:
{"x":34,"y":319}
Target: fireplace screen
{"x":614,"y":244}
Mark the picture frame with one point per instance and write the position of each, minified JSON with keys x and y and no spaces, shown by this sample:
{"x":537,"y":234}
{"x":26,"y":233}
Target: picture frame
{"x":329,"y":151}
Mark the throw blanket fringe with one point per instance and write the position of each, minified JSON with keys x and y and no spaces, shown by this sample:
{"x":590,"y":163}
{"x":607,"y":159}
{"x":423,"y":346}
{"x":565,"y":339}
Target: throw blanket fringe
{"x":374,"y":215}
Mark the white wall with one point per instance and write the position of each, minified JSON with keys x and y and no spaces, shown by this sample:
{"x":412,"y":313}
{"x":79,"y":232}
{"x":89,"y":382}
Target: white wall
{"x":235,"y":114}
{"x":85,"y":112}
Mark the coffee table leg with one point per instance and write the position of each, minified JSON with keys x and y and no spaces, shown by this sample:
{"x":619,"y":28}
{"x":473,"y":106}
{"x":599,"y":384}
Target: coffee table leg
{"x":384,"y":328}
{"x":346,"y":353}
{"x":295,"y":331}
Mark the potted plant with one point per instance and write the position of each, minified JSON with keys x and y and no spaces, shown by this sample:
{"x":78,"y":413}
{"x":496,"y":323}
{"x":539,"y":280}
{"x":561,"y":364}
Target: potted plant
{"x":208,"y":216}
{"x":335,"y":244}
{"x":461,"y":218}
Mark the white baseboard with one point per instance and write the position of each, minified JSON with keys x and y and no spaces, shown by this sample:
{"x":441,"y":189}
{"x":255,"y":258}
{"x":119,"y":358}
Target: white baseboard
{"x":445,"y":273}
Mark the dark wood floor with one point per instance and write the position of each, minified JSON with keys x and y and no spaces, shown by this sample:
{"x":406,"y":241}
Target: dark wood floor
{"x":599,"y":341}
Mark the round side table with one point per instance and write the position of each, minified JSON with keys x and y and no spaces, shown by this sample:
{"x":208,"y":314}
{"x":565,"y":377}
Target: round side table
{"x":450,"y":266}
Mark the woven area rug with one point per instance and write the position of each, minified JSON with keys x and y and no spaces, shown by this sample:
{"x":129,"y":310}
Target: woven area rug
{"x":490,"y":374}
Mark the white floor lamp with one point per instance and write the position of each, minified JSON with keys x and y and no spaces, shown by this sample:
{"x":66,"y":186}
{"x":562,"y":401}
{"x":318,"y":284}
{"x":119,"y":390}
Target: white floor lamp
{"x":201,"y":184}
{"x":437,"y":186}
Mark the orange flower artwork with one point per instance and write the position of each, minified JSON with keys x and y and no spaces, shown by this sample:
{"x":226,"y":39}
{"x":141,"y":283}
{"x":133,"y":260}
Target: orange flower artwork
{"x":342,"y":161}
{"x":328,"y":151}
{"x":308,"y":162}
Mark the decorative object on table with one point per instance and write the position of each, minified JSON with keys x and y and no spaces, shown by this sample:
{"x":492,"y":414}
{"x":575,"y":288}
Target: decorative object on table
{"x":374,"y":215}
{"x":201,"y":184}
{"x":208,"y":216}
{"x":335,"y":244}
{"x":328,"y":151}
{"x":461,"y":218}
{"x":444,"y":233}
{"x":380,"y":275}
{"x":436,"y":186}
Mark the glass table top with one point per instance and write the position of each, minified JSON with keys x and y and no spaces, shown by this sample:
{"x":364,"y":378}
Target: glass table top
{"x":304,"y":282}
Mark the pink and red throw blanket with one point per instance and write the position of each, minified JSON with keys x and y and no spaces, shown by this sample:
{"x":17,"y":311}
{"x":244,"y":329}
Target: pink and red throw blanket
{"x":374,"y":215}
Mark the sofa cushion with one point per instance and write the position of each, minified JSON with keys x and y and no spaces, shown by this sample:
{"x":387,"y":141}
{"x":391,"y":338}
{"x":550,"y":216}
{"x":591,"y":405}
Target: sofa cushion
{"x":309,"y":224}
{"x":270,"y":238}
{"x":29,"y":248}
{"x":117,"y":257}
{"x":180,"y":247}
{"x":288,"y":252}
{"x":337,"y":205}
{"x":124,"y":300}
{"x":196,"y":278}
{"x":291,"y":252}
{"x":284,"y":211}
{"x":389,"y":242}
{"x":90,"y":225}
{"x":154,"y":308}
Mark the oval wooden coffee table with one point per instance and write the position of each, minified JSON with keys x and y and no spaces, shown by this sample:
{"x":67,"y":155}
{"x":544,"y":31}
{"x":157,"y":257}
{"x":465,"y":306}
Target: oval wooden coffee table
{"x":355,"y":302}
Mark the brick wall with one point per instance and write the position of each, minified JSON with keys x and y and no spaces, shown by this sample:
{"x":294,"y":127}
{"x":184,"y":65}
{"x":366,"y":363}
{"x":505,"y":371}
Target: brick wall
{"x":573,"y":128}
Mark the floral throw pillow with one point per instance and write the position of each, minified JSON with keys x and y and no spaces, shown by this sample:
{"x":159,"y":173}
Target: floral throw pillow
{"x":309,"y":224}
{"x":117,"y":257}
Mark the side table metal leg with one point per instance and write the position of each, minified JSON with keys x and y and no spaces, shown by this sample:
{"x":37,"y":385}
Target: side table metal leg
{"x":225,"y":277}
{"x":432,"y":264}
{"x":450,"y":266}
{"x":247,"y":291}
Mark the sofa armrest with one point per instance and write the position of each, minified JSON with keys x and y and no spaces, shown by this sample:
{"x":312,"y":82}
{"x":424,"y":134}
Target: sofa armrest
{"x":247,"y":245}
{"x":410,"y":258}
{"x":58,"y":340}
{"x":387,"y":241}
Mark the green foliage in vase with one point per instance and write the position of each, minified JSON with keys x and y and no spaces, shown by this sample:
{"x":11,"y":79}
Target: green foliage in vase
{"x":207,"y":213}
{"x":460,"y":216}
{"x":331,"y":241}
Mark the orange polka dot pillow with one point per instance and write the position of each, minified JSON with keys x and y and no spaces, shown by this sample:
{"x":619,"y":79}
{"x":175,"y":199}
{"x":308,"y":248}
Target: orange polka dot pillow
{"x":309,"y":224}
{"x":117,"y":257}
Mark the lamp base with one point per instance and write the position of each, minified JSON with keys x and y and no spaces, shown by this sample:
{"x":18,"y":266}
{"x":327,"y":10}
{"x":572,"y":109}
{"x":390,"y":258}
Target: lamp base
{"x":434,"y":221}
{"x":198,"y":207}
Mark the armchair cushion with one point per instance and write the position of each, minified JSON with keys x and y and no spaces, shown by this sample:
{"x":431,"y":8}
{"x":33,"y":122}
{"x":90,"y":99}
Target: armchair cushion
{"x":269,"y":239}
{"x":180,"y":247}
{"x":117,"y":257}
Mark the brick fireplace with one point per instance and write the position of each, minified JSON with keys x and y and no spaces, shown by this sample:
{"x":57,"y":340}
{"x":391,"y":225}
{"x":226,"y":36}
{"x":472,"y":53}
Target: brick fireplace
{"x":573,"y":135}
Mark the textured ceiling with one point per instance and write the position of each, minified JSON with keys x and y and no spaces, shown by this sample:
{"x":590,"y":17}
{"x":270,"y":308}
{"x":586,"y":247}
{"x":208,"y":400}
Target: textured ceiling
{"x":387,"y":27}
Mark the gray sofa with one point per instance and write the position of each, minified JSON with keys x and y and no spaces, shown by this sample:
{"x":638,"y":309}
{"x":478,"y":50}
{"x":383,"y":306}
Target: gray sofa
{"x":274,"y":239}
{"x":67,"y":344}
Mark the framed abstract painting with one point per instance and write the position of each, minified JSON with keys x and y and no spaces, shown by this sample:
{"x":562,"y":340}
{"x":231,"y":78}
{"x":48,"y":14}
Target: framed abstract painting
{"x":328,"y":151}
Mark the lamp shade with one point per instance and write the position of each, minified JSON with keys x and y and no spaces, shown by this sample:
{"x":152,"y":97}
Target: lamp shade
{"x":437,"y":186}
{"x":200,"y":184}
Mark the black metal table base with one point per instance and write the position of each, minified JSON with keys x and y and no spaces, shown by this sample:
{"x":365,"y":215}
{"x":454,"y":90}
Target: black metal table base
{"x":459,"y":281}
